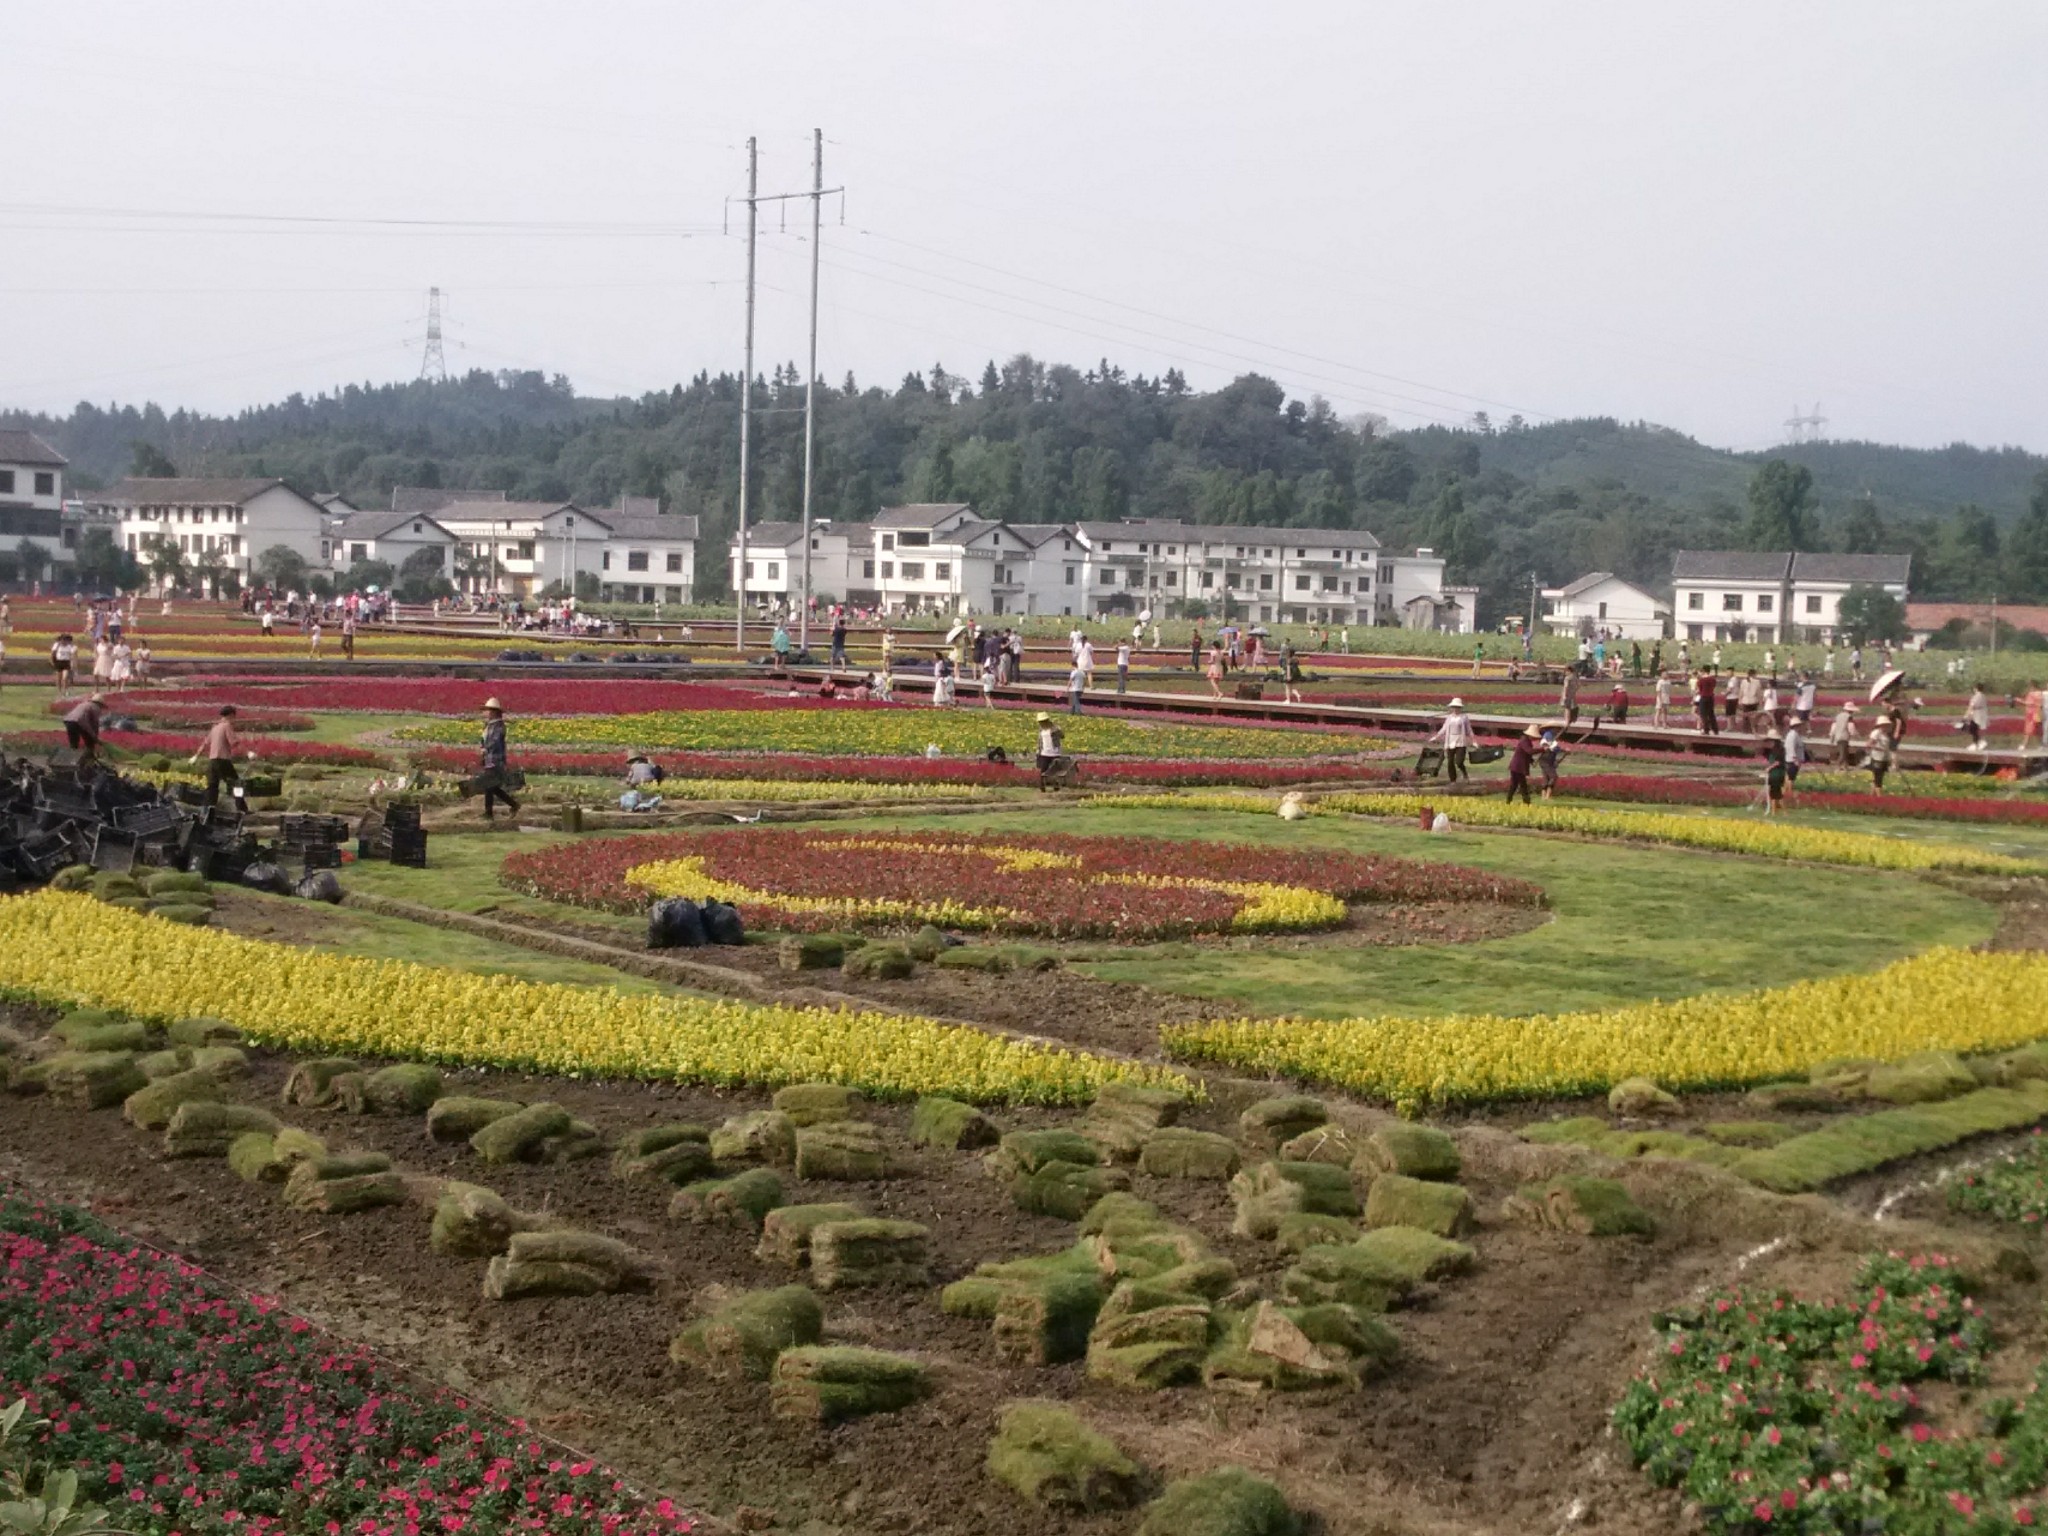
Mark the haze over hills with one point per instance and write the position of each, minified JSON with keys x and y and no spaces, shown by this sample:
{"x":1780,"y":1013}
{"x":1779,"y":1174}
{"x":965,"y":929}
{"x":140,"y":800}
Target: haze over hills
{"x":1037,"y":442}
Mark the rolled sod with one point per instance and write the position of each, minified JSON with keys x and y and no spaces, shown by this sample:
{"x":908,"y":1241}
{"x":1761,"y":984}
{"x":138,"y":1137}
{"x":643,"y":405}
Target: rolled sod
{"x":677,"y":1162}
{"x":1175,"y":1153}
{"x":1226,"y":1502}
{"x":150,"y":1108}
{"x":1047,"y":1322}
{"x":203,"y":1128}
{"x":879,"y":962}
{"x":743,"y":1338}
{"x":745,"y":1199}
{"x":457,"y":1118}
{"x":408,"y":1088}
{"x":786,"y":1230}
{"x":517,"y":1137}
{"x":827,"y":1384}
{"x":1270,"y":1122}
{"x":1028,"y":1151}
{"x":982,"y":1292}
{"x":311,"y":1082}
{"x":91,"y":1079}
{"x":868,"y":1252}
{"x":762,"y":1136}
{"x":1045,"y":1453}
{"x":810,"y":952}
{"x":203,"y":1031}
{"x":473,"y":1222}
{"x":816,"y":1103}
{"x":1590,"y":1207}
{"x":1330,"y":1144}
{"x":1418,"y":1151}
{"x":1299,"y":1231}
{"x":82,"y":1033}
{"x":845,"y":1150}
{"x":1063,"y":1189}
{"x":941,"y":1122}
{"x":1399,"y":1201}
{"x":343,"y":1195}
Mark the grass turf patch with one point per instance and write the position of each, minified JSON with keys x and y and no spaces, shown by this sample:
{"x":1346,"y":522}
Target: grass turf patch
{"x":1859,"y":1143}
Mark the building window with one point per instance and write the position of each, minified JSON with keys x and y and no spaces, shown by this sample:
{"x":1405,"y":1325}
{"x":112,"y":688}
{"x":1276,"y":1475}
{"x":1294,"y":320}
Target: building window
{"x":914,"y":540}
{"x":1603,"y":610}
{"x":943,"y":570}
{"x":1301,"y":583}
{"x":1386,"y":573}
{"x":1763,"y":602}
{"x":1070,"y":575}
{"x":1171,"y":550}
{"x":636,"y":560}
{"x":1208,"y":580}
{"x":357,"y":553}
{"x":418,"y":528}
{"x":675,"y":560}
{"x":774,"y":569}
{"x":1695,"y":601}
{"x":526,"y":549}
{"x":1813,"y":604}
{"x":888,"y":541}
{"x":1107,"y":546}
{"x":604,"y":562}
{"x":1731,"y":602}
{"x":913,"y":570}
{"x":750,"y":570}
{"x":1173,"y":578}
{"x":46,"y":485}
{"x":325,"y":552}
{"x":889,"y":569}
{"x":867,"y":569}
{"x":1301,"y":554}
{"x":1266,"y":582}
{"x":1107,"y":577}
{"x":1329,"y":583}
{"x":7,"y":482}
{"x":1133,"y":577}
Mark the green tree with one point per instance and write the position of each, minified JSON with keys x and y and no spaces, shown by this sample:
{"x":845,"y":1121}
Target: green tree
{"x":31,"y":559}
{"x":103,"y":565}
{"x":1780,"y":507}
{"x":1863,"y":530}
{"x":146,"y":461}
{"x":1871,"y":613}
{"x":365,"y":574}
{"x":166,"y":562}
{"x":2026,"y":547}
{"x":422,"y":577}
{"x":283,"y":567}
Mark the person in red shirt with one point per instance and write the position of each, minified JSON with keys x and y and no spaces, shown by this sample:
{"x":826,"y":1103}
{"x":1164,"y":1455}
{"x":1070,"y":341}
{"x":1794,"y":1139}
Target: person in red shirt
{"x":219,"y":749}
{"x":1703,"y":695}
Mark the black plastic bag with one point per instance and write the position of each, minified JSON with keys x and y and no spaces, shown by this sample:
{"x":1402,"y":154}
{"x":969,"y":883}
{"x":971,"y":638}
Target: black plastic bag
{"x":675,"y":923}
{"x":267,"y":877}
{"x":722,"y":923}
{"x":319,"y":885}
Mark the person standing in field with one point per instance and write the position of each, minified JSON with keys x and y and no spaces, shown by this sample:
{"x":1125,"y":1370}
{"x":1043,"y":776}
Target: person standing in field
{"x":219,"y":749}
{"x":494,"y":755}
{"x":1195,"y":649}
{"x":1977,"y":718}
{"x":1660,"y":711}
{"x":1123,"y":666}
{"x":1793,"y":744}
{"x":1549,"y":755}
{"x":2030,"y":719}
{"x":1077,"y":680}
{"x":313,"y":638}
{"x":1842,"y":736}
{"x":1703,"y":701}
{"x":1879,"y":753}
{"x":1290,"y":672}
{"x":1478,"y":659}
{"x":1774,"y":777}
{"x":1617,"y":702}
{"x":1568,"y":698}
{"x":1521,"y":761}
{"x":63,"y":651}
{"x":348,"y":636}
{"x":1084,"y":658}
{"x":839,"y":639}
{"x":1456,"y":735}
{"x":1215,"y":669}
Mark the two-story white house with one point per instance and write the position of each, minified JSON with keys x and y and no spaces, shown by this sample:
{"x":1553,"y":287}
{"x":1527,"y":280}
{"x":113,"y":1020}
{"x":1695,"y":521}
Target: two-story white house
{"x":1734,"y":595}
{"x":1819,"y":582}
{"x":392,"y":537}
{"x":32,"y":494}
{"x":648,"y":555}
{"x":1600,"y":604}
{"x":226,"y":522}
{"x":1286,"y":575}
{"x":1052,"y":571}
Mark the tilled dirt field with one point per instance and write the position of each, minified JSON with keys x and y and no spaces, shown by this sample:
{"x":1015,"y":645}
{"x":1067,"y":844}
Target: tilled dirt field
{"x":1494,"y":1420}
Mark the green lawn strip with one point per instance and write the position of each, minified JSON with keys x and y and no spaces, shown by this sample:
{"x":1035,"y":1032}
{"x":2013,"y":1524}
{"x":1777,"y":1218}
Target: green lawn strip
{"x":1627,"y":924}
{"x":1860,"y":1143}
{"x":348,"y":931}
{"x":462,"y":876}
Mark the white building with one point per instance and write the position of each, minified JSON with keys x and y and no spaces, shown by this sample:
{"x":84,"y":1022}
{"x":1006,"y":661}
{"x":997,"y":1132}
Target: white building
{"x":223,"y":522}
{"x":392,"y":537}
{"x":774,"y":574}
{"x":1053,"y":570}
{"x":648,"y":555}
{"x":1412,"y":594}
{"x":926,"y":558}
{"x":31,"y":494}
{"x":1774,"y":597}
{"x":1600,"y":604}
{"x":1277,"y":575}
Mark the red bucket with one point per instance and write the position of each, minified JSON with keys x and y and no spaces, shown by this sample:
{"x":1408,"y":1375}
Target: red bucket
{"x":1428,"y":817}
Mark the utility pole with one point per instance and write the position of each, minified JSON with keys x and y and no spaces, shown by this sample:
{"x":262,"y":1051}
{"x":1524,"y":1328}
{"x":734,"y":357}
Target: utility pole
{"x":811,"y":382}
{"x":739,"y":622}
{"x":1534,"y":588}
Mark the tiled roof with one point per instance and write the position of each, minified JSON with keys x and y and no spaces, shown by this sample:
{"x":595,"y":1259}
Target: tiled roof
{"x":23,"y":447}
{"x":1871,"y":570}
{"x":184,"y":492}
{"x":377,"y":525}
{"x":432,"y":498}
{"x":1730,"y":565}
{"x":1589,"y":580}
{"x":921,"y":514}
{"x":773,"y":535}
{"x":650,"y":525}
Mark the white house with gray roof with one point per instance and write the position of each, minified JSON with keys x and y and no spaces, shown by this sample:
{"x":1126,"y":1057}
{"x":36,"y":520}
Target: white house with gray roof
{"x":1287,"y":575}
{"x":1775,"y":596}
{"x":1600,"y":605}
{"x":32,"y":493}
{"x":228,"y":520}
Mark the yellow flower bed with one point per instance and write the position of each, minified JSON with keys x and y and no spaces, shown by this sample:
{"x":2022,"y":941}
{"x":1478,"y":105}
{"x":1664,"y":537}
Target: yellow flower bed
{"x":1946,"y":999}
{"x":1762,"y":839}
{"x":688,"y":877}
{"x":72,"y":949}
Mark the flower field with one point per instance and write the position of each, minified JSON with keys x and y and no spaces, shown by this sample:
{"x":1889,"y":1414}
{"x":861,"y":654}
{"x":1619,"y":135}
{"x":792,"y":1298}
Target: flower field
{"x":1650,"y":789}
{"x":902,"y":731}
{"x":181,"y":745}
{"x":462,"y":699}
{"x":1774,"y":1413}
{"x":72,"y":949}
{"x":197,"y":717}
{"x":1946,"y":999}
{"x":1070,"y":887}
{"x":190,"y":1409}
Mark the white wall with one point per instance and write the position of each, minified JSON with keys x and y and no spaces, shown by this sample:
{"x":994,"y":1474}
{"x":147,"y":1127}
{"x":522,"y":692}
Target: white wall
{"x":25,"y":491}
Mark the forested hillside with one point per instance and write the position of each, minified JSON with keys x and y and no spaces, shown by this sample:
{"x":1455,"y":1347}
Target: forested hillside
{"x":1044,"y":443}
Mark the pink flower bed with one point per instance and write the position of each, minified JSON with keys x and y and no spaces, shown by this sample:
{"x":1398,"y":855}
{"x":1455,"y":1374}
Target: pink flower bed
{"x":275,"y":753}
{"x":188,"y":1409}
{"x":520,"y":696}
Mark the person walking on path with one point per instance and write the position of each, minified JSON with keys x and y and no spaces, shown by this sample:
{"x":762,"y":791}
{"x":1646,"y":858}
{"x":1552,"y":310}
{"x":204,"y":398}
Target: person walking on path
{"x":1568,"y":699}
{"x":1635,"y":658}
{"x":1774,"y":777}
{"x":1077,"y":680}
{"x":1195,"y":649}
{"x":1794,"y":744}
{"x":1805,"y":699}
{"x":942,"y":680}
{"x":1856,"y":664}
{"x":1215,"y":670}
{"x":1521,"y":761}
{"x":839,"y":640}
{"x":1842,"y":736}
{"x":82,"y":728}
{"x":2030,"y":719}
{"x":1549,"y":755}
{"x":1478,"y":659}
{"x":219,"y":749}
{"x":779,"y":644}
{"x":496,"y":760}
{"x":1290,"y":672}
{"x":1703,"y":701}
{"x":1977,"y":718}
{"x":1050,"y":744}
{"x":1123,"y":666}
{"x":63,"y":652}
{"x":1456,"y":735}
{"x":1085,"y":660}
{"x":348,"y":637}
{"x":313,"y":637}
{"x":1660,"y":711}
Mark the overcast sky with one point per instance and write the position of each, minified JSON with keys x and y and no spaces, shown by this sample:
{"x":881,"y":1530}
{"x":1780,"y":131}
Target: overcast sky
{"x":1696,"y":213}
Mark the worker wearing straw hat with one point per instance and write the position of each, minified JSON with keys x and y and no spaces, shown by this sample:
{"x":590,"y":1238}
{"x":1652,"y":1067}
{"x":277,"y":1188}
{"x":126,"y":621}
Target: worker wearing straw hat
{"x":1050,"y":743}
{"x":1456,"y":735}
{"x":494,"y":780}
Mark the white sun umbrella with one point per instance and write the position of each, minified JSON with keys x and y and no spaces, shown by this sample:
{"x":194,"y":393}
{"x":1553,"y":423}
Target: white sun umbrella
{"x":956,"y":631}
{"x":1885,"y":683}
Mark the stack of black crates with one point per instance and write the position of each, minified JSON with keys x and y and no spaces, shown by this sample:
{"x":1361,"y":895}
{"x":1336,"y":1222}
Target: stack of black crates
{"x":394,"y":833}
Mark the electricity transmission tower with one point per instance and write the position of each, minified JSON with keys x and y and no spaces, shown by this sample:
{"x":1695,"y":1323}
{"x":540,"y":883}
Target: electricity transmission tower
{"x":434,"y":364}
{"x":1805,"y":429}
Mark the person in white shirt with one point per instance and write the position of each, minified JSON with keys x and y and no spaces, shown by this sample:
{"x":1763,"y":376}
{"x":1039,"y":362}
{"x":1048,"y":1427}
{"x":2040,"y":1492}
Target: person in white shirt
{"x":1841,"y":735}
{"x":1123,"y":666}
{"x":1456,"y":735}
{"x":1660,"y":714}
{"x":1084,"y":658}
{"x":1794,"y":744}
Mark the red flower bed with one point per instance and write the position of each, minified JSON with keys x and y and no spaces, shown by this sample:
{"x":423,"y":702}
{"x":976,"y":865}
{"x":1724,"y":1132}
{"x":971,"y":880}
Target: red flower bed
{"x":793,"y":767}
{"x":274,"y":753}
{"x":187,"y":1408}
{"x":520,"y":695}
{"x":1080,"y":891}
{"x":1655,"y":791}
